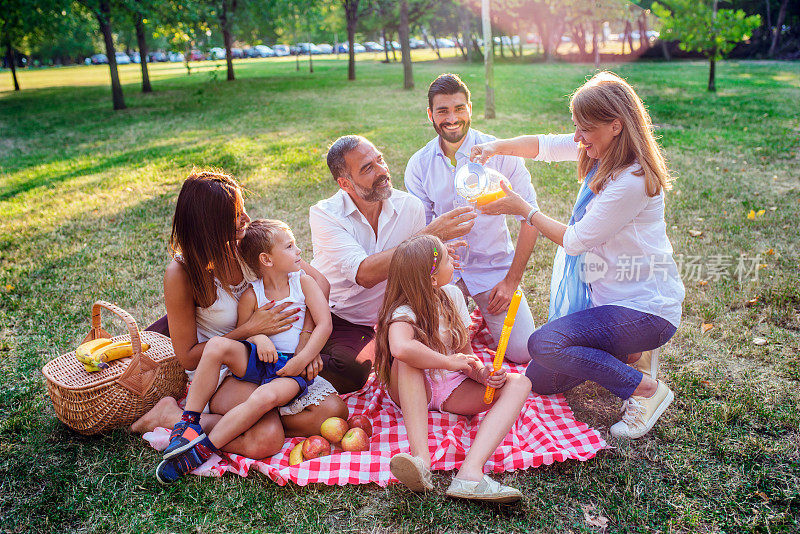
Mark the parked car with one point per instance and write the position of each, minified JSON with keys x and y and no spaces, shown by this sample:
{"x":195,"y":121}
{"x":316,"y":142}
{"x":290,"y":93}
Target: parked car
{"x":372,"y":46}
{"x":122,"y":58}
{"x":415,"y":43}
{"x":176,"y":57}
{"x":325,"y":48}
{"x":196,"y":55}
{"x":237,"y":53}
{"x":445,"y":43}
{"x":264,"y":51}
{"x":307,"y":48}
{"x":216,"y":53}
{"x":281,"y":50}
{"x":136,"y":58}
{"x":158,"y":57}
{"x":99,"y":59}
{"x":250,"y":52}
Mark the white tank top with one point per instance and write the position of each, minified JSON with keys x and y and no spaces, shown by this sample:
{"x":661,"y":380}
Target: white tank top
{"x":286,"y":341}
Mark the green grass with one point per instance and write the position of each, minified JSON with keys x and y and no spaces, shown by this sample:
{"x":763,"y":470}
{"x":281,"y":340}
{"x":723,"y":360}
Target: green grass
{"x":86,"y":198}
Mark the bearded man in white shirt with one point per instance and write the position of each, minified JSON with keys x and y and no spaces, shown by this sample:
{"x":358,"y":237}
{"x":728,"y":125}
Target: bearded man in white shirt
{"x":354,"y":234}
{"x":493,"y":268}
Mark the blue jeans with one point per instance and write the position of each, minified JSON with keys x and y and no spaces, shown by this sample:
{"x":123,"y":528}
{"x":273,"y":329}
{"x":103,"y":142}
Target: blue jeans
{"x":593,"y":345}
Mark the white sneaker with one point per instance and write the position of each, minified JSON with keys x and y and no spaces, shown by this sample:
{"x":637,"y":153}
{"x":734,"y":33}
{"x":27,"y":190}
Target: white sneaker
{"x":485,"y":490}
{"x":410,"y":470}
{"x":648,"y":363}
{"x":641,"y":413}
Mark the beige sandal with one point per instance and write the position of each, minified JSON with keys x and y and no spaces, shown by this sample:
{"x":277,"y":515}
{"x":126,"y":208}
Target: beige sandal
{"x":485,"y":490}
{"x":411,"y":471}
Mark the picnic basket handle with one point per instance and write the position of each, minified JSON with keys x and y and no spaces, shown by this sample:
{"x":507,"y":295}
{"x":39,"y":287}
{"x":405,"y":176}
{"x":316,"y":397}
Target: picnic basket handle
{"x":140,"y":374}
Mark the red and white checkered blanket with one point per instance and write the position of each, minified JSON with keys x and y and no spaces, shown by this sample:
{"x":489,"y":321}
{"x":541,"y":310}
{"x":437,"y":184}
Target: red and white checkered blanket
{"x":546,"y":431}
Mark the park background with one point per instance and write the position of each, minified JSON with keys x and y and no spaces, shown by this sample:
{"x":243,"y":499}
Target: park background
{"x":87,"y":193}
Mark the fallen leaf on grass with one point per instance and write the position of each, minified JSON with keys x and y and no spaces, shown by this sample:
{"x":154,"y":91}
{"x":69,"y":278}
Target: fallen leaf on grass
{"x":702,"y":282}
{"x":9,"y":287}
{"x":751,"y":302}
{"x":695,"y":233}
{"x":759,"y":341}
{"x":762,"y":495}
{"x":593,"y":518}
{"x":770,"y":252}
{"x":752,"y":215}
{"x":705,"y":327}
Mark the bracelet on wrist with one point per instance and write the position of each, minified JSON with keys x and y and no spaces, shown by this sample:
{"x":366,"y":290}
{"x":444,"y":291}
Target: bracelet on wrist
{"x":529,"y":218}
{"x":306,"y":332}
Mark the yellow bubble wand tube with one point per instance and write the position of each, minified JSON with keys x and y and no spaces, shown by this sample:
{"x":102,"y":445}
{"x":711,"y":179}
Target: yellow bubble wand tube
{"x":508,"y":324}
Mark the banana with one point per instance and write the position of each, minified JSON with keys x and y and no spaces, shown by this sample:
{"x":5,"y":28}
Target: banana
{"x":84,"y":352}
{"x":107,"y":352}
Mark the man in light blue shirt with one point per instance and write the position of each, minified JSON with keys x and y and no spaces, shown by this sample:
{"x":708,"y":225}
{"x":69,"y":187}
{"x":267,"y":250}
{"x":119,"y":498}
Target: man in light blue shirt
{"x":493,"y":268}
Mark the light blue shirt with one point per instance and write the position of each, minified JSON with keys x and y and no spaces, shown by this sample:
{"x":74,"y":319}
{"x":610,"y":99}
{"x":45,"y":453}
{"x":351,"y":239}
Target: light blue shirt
{"x":430,"y":176}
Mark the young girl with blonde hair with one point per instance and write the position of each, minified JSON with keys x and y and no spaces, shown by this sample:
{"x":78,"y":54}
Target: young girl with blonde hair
{"x":616,"y":294}
{"x":423,"y":355}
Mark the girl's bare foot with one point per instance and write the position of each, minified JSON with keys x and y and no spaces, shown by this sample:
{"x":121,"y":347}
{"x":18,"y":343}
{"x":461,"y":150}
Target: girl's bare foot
{"x":164,"y":414}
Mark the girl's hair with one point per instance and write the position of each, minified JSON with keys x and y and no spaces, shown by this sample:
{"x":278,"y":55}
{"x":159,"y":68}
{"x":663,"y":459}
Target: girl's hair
{"x":260,"y":237}
{"x":204,"y":229}
{"x":602,"y":99}
{"x":409,"y":283}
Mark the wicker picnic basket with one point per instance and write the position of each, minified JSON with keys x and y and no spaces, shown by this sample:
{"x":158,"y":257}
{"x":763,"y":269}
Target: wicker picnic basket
{"x":114,"y":397}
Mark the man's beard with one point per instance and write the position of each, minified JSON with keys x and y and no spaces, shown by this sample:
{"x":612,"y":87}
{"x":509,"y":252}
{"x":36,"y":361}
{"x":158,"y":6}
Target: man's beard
{"x":453,"y":137}
{"x":376,"y":193}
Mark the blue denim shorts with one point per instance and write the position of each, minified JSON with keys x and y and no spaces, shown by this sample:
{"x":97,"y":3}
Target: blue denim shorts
{"x":261,"y":373}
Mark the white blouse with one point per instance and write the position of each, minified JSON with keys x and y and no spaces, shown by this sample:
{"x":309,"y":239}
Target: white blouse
{"x":629,"y":256}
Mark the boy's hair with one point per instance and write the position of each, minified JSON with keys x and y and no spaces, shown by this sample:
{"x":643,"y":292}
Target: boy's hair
{"x":260,"y":237}
{"x":409,"y":283}
{"x":602,"y":99}
{"x":446,"y":84}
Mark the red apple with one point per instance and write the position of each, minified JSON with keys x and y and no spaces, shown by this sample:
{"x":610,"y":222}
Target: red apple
{"x":355,"y":440}
{"x":362,"y":422}
{"x":296,"y":456}
{"x":333,"y":429}
{"x":316,"y":446}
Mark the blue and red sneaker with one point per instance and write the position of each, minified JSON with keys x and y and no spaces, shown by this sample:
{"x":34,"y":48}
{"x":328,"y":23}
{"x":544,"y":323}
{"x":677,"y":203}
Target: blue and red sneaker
{"x":183,"y":437}
{"x":171,"y":469}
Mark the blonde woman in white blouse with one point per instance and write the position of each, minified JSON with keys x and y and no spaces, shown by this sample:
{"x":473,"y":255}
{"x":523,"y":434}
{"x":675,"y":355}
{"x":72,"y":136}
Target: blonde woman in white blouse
{"x":616,"y":294}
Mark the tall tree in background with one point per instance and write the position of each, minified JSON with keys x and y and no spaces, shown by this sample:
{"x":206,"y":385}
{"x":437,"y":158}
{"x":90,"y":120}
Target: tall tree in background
{"x":488,"y":59}
{"x":225,"y":13}
{"x":139,"y":10}
{"x":353,"y":10}
{"x":701,"y":27}
{"x":20,"y":19}
{"x":101,"y":9}
{"x":778,"y":28}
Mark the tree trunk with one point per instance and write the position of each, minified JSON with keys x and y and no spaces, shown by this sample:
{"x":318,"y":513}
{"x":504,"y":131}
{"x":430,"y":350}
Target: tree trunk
{"x":476,"y":48}
{"x":488,"y":60}
{"x":628,"y":37}
{"x":579,"y":35}
{"x":466,"y":32}
{"x":351,"y":15}
{"x":644,"y":42}
{"x":186,"y":58}
{"x":405,"y":46}
{"x":385,"y":44}
{"x":777,"y":33}
{"x":12,"y":62}
{"x":224,"y":23}
{"x":310,"y":61}
{"x":103,"y":18}
{"x":394,"y":52}
{"x":502,"y":48}
{"x":142,"y":43}
{"x":665,"y":50}
{"x":595,"y":45}
{"x":712,"y":84}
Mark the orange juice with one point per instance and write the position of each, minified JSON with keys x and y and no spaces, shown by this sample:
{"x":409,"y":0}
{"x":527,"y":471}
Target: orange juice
{"x":489,"y":197}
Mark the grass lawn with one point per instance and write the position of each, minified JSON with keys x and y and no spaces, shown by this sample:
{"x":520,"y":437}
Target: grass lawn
{"x":86,"y":199}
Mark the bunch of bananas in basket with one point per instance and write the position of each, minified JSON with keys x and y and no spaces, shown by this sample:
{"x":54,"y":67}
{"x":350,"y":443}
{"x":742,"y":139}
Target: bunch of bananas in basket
{"x":95,"y":354}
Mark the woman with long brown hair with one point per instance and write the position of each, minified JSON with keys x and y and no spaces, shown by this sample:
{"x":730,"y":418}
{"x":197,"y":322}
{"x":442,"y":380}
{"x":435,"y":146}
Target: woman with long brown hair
{"x":616,"y":294}
{"x":202,"y":286}
{"x":423,"y":355}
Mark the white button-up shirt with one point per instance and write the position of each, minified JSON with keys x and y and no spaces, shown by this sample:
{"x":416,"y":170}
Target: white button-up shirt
{"x":430,"y":176}
{"x":626,"y":231}
{"x":342,"y":238}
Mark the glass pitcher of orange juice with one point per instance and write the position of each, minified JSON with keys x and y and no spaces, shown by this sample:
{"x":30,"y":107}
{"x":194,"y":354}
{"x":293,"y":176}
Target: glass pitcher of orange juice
{"x":479,"y":185}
